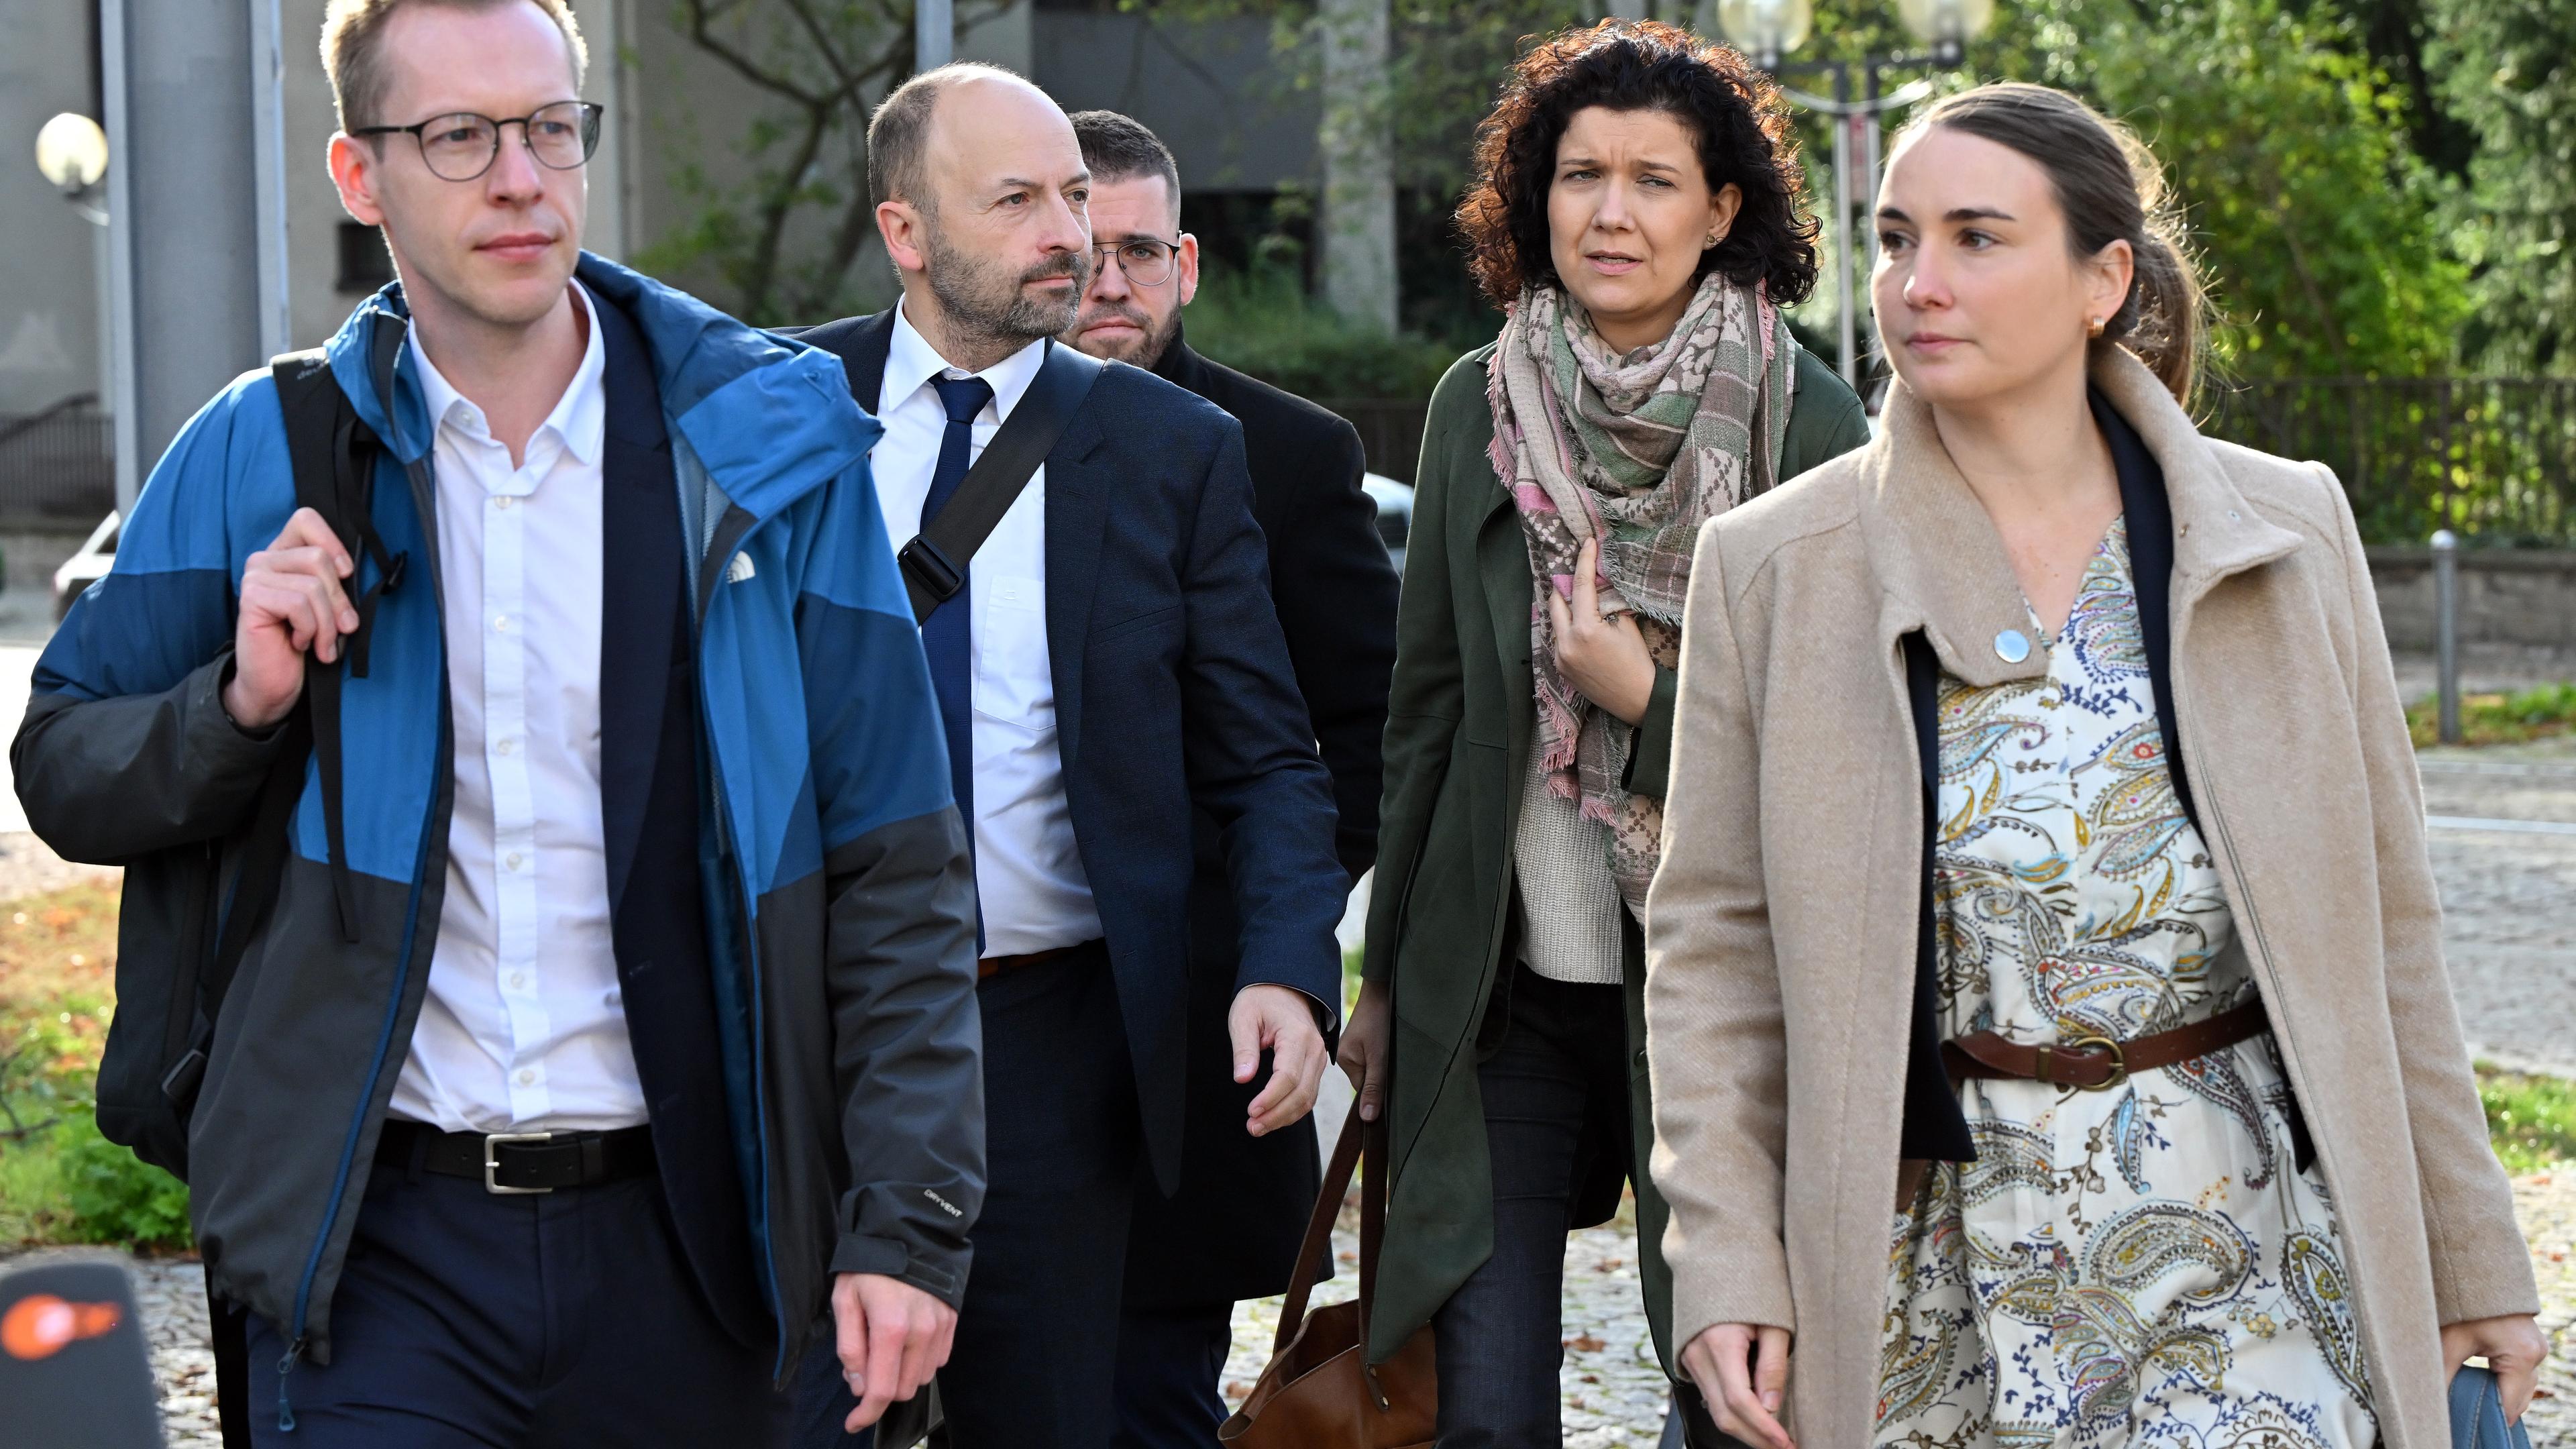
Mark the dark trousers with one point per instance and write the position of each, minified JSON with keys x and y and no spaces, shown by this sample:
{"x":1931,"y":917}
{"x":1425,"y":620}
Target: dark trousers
{"x":1556,"y":1094}
{"x":1036,"y":1356}
{"x":1556,"y":1101}
{"x":463,"y":1318}
{"x":1171,"y":1364}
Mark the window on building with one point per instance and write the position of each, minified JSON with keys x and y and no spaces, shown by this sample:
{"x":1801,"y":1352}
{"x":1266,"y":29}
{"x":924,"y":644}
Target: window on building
{"x":365,"y":265}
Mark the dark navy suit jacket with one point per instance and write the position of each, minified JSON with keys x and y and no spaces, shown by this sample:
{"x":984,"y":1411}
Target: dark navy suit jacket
{"x":1173,"y":691}
{"x":649,"y":813}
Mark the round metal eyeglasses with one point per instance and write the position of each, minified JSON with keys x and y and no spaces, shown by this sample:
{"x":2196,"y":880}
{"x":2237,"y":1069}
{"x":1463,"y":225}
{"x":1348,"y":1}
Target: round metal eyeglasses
{"x":462,"y":146}
{"x":1146,"y":260}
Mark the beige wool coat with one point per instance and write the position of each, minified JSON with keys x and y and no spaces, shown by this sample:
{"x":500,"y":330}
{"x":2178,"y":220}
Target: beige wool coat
{"x":1781,"y":928}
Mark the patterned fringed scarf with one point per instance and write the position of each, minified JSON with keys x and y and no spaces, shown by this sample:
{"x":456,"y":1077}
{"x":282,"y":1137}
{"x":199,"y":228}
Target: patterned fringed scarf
{"x":1638,"y":451}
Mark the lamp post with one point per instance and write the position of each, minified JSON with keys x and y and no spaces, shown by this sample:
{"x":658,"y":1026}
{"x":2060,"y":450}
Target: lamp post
{"x":1768,"y":31}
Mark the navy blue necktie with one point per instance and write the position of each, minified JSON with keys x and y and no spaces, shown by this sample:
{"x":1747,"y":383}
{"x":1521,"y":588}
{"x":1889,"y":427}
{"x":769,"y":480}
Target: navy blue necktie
{"x":947,"y":636}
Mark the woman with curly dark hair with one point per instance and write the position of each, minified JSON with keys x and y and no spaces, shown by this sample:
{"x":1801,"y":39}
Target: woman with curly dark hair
{"x":1636,"y":211}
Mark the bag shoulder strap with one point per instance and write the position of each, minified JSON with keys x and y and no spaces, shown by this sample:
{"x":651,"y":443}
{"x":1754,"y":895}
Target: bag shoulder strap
{"x":1358,"y":1139}
{"x":934,"y":563}
{"x":334,"y":455}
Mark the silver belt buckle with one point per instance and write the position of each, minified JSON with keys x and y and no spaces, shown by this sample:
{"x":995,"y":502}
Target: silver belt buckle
{"x":492,"y":1162}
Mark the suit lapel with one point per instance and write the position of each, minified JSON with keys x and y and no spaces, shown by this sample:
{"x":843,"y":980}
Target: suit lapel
{"x":1077,"y":514}
{"x":645,"y":578}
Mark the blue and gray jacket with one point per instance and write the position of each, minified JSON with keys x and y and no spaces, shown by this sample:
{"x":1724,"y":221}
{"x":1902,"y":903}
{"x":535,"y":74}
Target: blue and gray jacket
{"x":839,"y":917}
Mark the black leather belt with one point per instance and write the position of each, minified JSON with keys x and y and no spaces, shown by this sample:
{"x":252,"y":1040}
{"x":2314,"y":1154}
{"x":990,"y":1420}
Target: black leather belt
{"x":519,"y":1162}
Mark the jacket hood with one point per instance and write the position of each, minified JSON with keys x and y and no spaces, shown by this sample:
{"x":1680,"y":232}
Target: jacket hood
{"x":768,"y":417}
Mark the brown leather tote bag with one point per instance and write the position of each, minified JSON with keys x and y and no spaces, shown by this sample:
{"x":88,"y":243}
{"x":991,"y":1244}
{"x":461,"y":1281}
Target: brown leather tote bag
{"x":1320,"y":1391}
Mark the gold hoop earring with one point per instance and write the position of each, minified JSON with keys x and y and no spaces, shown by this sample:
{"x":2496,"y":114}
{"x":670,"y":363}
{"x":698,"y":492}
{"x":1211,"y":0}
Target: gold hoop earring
{"x":2094,"y":328}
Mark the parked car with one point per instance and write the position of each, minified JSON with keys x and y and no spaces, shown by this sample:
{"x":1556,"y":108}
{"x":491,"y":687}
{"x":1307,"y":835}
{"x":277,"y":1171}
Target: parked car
{"x":97,"y":555}
{"x":1394,"y":513}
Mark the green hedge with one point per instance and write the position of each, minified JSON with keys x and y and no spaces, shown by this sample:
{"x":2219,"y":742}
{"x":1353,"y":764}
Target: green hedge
{"x":1264,"y":323}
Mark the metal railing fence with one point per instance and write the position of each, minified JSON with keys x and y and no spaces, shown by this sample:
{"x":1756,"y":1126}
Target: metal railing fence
{"x":57,"y":466}
{"x":2492,"y":459}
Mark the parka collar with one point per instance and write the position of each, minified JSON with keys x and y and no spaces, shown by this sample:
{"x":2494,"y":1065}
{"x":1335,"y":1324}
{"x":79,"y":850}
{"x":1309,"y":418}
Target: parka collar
{"x":1943,"y":567}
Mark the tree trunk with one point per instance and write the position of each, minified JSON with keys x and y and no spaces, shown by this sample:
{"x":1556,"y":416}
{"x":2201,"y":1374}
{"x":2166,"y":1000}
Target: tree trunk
{"x":1359,"y":164}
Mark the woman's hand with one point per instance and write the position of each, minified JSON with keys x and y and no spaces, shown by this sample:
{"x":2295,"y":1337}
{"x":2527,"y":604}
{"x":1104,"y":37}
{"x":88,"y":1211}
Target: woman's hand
{"x":1604,"y":658}
{"x":1363,"y":1055}
{"x":2512,"y":1345}
{"x":1742,"y":1370}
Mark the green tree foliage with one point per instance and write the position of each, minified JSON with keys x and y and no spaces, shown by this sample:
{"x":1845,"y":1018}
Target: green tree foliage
{"x":2320,"y":229}
{"x":782,"y":217}
{"x":2508,"y":70}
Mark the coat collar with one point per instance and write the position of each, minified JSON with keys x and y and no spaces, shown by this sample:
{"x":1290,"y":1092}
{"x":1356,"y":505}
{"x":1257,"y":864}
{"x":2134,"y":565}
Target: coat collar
{"x":1942,"y":566}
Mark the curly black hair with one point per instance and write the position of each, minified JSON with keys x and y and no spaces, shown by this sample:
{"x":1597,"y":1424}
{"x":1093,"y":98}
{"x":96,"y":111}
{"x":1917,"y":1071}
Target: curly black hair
{"x":1639,"y":65}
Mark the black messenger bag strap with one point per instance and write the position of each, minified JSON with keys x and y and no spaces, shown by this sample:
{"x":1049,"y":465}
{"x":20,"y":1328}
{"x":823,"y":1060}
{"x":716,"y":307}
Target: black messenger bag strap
{"x":934,"y":563}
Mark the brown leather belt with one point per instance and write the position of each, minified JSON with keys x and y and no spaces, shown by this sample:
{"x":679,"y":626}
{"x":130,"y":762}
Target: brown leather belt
{"x":2095,"y":1063}
{"x":2090,"y":1064}
{"x":992,"y":966}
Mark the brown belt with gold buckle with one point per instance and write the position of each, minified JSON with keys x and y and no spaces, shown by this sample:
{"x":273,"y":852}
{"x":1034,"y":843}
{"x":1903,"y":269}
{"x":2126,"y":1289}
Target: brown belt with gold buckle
{"x":2096,"y":1063}
{"x":2087,"y":1063}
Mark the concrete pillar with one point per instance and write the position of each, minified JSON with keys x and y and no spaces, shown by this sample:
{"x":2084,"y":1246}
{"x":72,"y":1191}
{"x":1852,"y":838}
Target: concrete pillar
{"x":1359,"y":165}
{"x":192,"y":304}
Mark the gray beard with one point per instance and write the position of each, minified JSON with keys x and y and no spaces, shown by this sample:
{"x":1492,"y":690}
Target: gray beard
{"x":986,"y":304}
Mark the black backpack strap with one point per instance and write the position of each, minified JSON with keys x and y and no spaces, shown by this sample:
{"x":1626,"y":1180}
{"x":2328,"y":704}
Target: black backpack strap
{"x":934,"y":564}
{"x":334,"y":454}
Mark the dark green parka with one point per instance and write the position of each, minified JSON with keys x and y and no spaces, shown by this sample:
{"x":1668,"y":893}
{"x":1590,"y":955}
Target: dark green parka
{"x":1457,"y":741}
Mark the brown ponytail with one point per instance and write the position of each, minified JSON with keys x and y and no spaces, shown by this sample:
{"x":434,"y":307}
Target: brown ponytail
{"x":2111,"y":189}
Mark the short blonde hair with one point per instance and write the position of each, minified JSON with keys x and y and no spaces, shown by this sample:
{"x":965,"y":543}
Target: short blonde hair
{"x":353,"y":30}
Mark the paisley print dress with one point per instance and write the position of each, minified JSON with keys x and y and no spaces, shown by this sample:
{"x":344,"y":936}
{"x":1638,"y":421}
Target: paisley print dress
{"x":2138,"y":1266}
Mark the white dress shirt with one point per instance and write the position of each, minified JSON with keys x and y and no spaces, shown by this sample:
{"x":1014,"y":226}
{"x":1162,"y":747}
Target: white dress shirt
{"x":1028,"y":873}
{"x":524,"y":1027}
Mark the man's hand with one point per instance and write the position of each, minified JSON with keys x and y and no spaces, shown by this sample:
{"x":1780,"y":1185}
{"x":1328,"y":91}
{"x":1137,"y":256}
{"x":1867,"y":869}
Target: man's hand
{"x":1742,"y":1370}
{"x":1607,"y":658}
{"x":1364,"y":1048}
{"x":1283,"y":1022}
{"x":291,"y":601}
{"x":893,"y":1337}
{"x":2513,"y":1346}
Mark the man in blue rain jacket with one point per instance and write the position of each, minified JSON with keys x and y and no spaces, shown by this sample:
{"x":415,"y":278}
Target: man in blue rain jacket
{"x":614,"y":1010}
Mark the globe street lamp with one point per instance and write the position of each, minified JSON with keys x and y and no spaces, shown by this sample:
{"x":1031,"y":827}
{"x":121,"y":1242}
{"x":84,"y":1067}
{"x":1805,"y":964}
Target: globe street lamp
{"x":1768,"y":30}
{"x":72,"y":152}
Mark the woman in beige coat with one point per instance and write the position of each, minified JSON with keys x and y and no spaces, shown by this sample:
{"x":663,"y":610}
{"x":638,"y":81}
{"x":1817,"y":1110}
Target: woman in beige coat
{"x":2156,"y":1060}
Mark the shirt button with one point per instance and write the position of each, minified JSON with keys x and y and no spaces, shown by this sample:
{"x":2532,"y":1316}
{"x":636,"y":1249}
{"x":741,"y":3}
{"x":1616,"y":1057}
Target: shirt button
{"x":511,"y":860}
{"x":527,"y":1076}
{"x":518,"y":979}
{"x":501,"y":623}
{"x":506,"y":746}
{"x":503,"y":502}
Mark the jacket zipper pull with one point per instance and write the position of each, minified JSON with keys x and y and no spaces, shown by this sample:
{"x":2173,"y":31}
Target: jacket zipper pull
{"x":285,"y":1366}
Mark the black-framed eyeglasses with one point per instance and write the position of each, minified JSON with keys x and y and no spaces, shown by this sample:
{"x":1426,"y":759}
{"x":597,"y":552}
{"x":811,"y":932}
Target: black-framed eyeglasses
{"x":1146,"y":260}
{"x":461,"y":145}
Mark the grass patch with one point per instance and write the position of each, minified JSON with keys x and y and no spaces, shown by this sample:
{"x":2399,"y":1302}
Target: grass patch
{"x":60,"y":1182}
{"x":2531,"y":1120}
{"x":2500,"y":719}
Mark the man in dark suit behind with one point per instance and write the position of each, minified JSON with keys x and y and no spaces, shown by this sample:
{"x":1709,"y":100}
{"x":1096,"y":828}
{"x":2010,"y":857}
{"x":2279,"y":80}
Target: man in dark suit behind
{"x":1112,"y":669}
{"x":1231,"y":1231}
